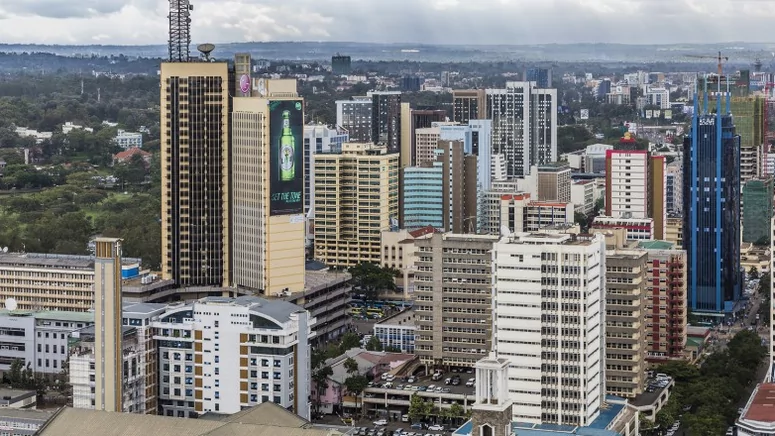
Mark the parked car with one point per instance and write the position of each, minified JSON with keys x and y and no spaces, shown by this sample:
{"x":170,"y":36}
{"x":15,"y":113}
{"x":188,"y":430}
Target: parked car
{"x":447,"y":381}
{"x":417,"y":426}
{"x":405,"y":418}
{"x":471,"y":381}
{"x":410,"y":379}
{"x":436,"y":427}
{"x":381,"y":422}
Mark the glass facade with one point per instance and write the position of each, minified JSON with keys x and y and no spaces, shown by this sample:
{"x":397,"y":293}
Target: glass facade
{"x":757,"y":211}
{"x":423,"y":197}
{"x":711,"y":228}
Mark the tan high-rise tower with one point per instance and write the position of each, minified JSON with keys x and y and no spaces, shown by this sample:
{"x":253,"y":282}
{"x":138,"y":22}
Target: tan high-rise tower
{"x":195,"y":106}
{"x":108,"y":363}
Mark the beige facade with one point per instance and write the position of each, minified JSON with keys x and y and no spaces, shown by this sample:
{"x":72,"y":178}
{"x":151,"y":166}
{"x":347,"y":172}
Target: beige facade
{"x":399,"y":251}
{"x":195,"y":173}
{"x":268,"y":251}
{"x":625,"y":351}
{"x":356,"y":199}
{"x":554,"y":183}
{"x":674,"y":231}
{"x":426,"y":142}
{"x":108,"y":313}
{"x":453,"y":299}
{"x":519,"y":213}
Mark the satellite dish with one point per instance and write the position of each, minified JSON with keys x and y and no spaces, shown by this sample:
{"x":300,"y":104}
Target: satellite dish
{"x":10,"y":304}
{"x":505,"y":231}
{"x":206,"y":49}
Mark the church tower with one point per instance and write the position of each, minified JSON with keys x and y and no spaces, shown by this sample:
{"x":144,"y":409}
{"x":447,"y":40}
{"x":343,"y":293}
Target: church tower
{"x":492,"y":411}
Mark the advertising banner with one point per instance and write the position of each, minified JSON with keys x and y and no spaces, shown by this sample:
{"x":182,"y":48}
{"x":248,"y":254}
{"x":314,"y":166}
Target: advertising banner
{"x":286,"y":157}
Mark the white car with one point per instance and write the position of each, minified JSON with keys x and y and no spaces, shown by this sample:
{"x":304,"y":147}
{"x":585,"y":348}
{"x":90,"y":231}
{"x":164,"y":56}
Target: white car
{"x":436,"y":427}
{"x":380,"y":422}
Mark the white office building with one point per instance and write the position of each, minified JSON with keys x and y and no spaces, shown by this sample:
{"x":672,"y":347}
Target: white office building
{"x":224,"y":354}
{"x":127,"y":140}
{"x":318,"y":138}
{"x":549,"y":306}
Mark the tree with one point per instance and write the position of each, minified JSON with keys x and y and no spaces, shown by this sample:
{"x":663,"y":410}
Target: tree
{"x":456,"y":412}
{"x":320,"y":379}
{"x":418,"y":408}
{"x":581,"y":219}
{"x":351,"y":366}
{"x":349,"y":341}
{"x":355,"y":384}
{"x":372,"y":280}
{"x":374,"y":344}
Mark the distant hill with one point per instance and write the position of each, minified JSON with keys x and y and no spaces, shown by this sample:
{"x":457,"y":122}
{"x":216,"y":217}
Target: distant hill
{"x":739,"y":53}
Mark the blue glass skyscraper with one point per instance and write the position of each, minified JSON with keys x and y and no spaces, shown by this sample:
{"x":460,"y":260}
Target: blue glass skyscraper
{"x":711,"y":222}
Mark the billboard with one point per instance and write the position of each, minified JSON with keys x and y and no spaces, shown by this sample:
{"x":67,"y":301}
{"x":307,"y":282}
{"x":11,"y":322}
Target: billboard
{"x":286,"y":157}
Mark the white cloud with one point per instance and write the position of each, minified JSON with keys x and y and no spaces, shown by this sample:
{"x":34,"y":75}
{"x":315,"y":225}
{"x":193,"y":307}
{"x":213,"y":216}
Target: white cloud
{"x":424,"y":21}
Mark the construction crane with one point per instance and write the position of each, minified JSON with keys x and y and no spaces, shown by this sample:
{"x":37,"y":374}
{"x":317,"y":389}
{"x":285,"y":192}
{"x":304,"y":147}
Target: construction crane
{"x":721,"y":60}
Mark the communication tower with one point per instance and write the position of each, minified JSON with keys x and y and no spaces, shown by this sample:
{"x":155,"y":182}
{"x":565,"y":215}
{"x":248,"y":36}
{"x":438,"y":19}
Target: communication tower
{"x":180,"y":30}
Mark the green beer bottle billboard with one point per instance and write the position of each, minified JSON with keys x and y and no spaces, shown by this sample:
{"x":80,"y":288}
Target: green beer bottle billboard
{"x":287,"y":147}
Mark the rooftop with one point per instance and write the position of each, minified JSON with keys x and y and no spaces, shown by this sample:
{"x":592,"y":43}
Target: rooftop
{"x":260,"y":420}
{"x":58,"y":315}
{"x":316,"y":280}
{"x":404,"y":317}
{"x":655,"y":245}
{"x":279,"y":310}
{"x":28,"y":414}
{"x":32,"y":260}
{"x":761,"y":406}
{"x":15,"y":394}
{"x":143,"y":308}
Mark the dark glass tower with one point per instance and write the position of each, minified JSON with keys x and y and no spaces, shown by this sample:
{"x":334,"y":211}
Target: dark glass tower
{"x":711,"y":227}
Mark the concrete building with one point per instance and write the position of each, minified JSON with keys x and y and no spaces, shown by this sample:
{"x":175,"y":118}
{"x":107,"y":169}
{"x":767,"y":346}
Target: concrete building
{"x":195,"y":201}
{"x":519,"y":213}
{"x":453,"y":299}
{"x":398,"y":331}
{"x":549,"y":309}
{"x":350,"y":214}
{"x":127,"y":140}
{"x":666,"y":315}
{"x":553,"y":182}
{"x":625,"y":296}
{"x":674,"y":230}
{"x":354,"y":116}
{"x":386,"y":119}
{"x":413,"y":120}
{"x":468,"y":104}
{"x":757,"y":210}
{"x":222,"y":355}
{"x":638,"y":229}
{"x":524,"y":125}
{"x":39,"y":281}
{"x":326,"y":296}
{"x":23,"y":422}
{"x":674,"y":187}
{"x":399,"y":252}
{"x":659,"y":97}
{"x":39,"y":338}
{"x":477,"y":139}
{"x":426,"y":142}
{"x":627,"y":183}
{"x":318,"y":138}
{"x":772,"y":312}
{"x":108,"y":334}
{"x":267,"y":208}
{"x":757,"y":418}
{"x":582,"y":195}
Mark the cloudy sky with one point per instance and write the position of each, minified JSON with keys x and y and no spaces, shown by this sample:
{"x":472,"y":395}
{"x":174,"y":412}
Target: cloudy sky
{"x":433,"y":21}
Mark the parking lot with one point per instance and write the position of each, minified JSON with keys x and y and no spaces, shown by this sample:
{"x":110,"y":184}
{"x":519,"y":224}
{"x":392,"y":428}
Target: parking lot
{"x":443,"y":384}
{"x":393,"y":428}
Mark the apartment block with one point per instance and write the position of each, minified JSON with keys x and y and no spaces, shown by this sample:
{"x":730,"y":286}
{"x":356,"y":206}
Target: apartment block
{"x":519,"y":213}
{"x":38,"y":281}
{"x":553,"y":183}
{"x":468,"y":104}
{"x":549,"y":314}
{"x":453,"y":299}
{"x":354,"y":116}
{"x":627,"y":183}
{"x":356,"y":198}
{"x":666,"y":314}
{"x":624,"y":321}
{"x":225,"y":354}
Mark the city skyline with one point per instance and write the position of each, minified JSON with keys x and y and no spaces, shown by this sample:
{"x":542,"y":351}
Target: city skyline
{"x":130,"y":22}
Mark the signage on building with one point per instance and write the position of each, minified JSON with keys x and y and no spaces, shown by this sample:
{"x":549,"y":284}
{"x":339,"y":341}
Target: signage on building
{"x":286,"y":157}
{"x":584,"y":114}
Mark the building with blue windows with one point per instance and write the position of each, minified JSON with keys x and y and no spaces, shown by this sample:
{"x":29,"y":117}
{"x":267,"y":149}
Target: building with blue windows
{"x":423,"y":196}
{"x":542,"y":76}
{"x":711,"y":212}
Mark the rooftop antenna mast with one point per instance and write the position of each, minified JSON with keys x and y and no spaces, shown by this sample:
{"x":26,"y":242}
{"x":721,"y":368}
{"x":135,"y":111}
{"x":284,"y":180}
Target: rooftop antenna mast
{"x":179,"y":30}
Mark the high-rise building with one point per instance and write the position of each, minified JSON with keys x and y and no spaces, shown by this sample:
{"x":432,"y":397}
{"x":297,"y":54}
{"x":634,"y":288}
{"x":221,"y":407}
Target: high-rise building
{"x":267,"y":191}
{"x":318,"y":139}
{"x":553,"y":182}
{"x":542,"y":77}
{"x":225,"y":354}
{"x":243,"y":85}
{"x":341,"y":65}
{"x":549,"y":310}
{"x":411,"y":121}
{"x":109,"y":368}
{"x":468,"y":104}
{"x":426,"y":142}
{"x":757,"y":210}
{"x":195,"y":120}
{"x":674,"y":187}
{"x":453,"y":299}
{"x":519,"y":213}
{"x":666,"y":312}
{"x":635,"y":187}
{"x":711,"y":212}
{"x":386,"y":119}
{"x":524,"y":125}
{"x":423,"y":196}
{"x":349,"y":214}
{"x":354,"y":116}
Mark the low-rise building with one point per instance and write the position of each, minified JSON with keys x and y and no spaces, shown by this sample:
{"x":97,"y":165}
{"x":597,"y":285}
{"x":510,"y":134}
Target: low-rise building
{"x":397,"y":331}
{"x":127,"y":140}
{"x":17,"y":398}
{"x":326,"y":296}
{"x":23,"y":422}
{"x":638,"y":229}
{"x":582,"y":194}
{"x":758,"y":417}
{"x":128,"y":154}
